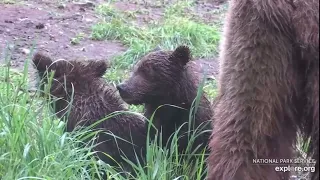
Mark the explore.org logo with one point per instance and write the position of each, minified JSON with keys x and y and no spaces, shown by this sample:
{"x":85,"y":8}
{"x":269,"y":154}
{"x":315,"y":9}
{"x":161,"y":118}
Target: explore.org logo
{"x":288,"y":165}
{"x":295,"y":169}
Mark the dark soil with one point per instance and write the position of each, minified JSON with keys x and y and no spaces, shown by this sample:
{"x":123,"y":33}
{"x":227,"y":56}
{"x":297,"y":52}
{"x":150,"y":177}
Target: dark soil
{"x":50,"y":27}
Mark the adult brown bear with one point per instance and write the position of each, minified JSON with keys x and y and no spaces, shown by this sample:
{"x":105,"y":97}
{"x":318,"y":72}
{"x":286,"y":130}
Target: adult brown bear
{"x":268,"y":88}
{"x":83,"y":97}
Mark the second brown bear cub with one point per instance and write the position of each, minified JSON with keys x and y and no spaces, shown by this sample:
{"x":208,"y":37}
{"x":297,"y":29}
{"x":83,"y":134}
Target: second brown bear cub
{"x":162,"y":78}
{"x":93,"y":99}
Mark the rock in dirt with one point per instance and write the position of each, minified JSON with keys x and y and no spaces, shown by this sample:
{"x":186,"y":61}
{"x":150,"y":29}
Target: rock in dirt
{"x":8,"y":21}
{"x":40,"y":26}
{"x":24,"y":51}
{"x":87,"y":4}
{"x":61,"y":6}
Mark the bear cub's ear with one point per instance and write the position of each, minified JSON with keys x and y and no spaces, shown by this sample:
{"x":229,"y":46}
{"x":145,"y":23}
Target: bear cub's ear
{"x":181,"y":55}
{"x":41,"y":61}
{"x":99,"y":67}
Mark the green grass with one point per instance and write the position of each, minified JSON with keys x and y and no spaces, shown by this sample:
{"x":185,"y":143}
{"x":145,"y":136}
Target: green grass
{"x":7,"y":1}
{"x":211,"y":89}
{"x":33,"y":144}
{"x":173,"y":30}
{"x":76,"y":40}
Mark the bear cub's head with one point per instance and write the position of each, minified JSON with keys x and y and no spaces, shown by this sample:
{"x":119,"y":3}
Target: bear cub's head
{"x":156,"y":76}
{"x":68,"y":75}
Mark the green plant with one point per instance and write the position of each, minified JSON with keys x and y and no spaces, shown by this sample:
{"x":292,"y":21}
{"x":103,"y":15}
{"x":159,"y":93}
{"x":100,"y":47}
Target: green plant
{"x":171,"y":32}
{"x":76,"y":40}
{"x":211,"y":89}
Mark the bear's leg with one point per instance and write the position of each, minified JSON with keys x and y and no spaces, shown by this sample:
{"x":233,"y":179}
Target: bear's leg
{"x":306,"y":25}
{"x":311,"y":120}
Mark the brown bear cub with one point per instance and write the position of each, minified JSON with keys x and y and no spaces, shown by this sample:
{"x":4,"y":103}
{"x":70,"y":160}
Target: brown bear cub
{"x":80,"y":88}
{"x":163,"y":78}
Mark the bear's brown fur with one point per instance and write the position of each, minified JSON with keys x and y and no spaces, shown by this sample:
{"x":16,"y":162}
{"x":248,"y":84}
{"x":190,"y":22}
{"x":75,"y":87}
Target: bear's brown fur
{"x":163,"y":78}
{"x":81,"y":88}
{"x":268,"y":88}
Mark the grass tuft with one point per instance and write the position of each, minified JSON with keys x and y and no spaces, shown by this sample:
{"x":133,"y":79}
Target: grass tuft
{"x":172,"y":31}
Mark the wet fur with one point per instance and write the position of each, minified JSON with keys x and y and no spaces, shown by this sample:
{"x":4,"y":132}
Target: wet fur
{"x":163,"y":78}
{"x":93,"y":99}
{"x":268,"y":88}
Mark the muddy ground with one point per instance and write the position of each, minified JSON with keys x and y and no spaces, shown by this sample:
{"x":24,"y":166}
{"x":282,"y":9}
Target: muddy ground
{"x":49,"y":26}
